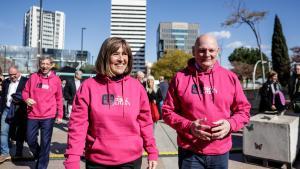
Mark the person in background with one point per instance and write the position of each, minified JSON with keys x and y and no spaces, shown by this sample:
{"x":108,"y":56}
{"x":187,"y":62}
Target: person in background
{"x":65,"y":103}
{"x":43,"y":95}
{"x":140,"y":77}
{"x":204,"y":104}
{"x":111,"y":121}
{"x":155,"y":97}
{"x":272,"y":99}
{"x":163,"y":86}
{"x":12,"y":86}
{"x":70,"y":89}
{"x":294,"y":90}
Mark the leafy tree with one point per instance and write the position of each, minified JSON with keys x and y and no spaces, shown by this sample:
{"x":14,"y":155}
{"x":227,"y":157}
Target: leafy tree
{"x":296,"y":54}
{"x":246,"y":55}
{"x":240,"y":16}
{"x":280,"y":56}
{"x":170,"y":63}
{"x":243,"y":60}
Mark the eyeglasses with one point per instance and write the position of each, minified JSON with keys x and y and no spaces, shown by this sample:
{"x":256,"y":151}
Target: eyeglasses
{"x":210,"y":50}
{"x":12,"y":74}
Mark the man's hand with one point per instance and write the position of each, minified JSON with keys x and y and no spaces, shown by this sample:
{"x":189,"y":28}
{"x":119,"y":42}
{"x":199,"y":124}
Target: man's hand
{"x":152,"y":164}
{"x":200,"y":130}
{"x":30,"y":102}
{"x":58,"y":120}
{"x":221,"y":130}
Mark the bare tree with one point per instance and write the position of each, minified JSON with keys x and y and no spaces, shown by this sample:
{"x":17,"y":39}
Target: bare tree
{"x":240,"y":16}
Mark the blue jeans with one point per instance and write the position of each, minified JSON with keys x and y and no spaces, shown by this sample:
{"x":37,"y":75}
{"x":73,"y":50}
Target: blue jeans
{"x":40,"y":152}
{"x":4,"y":133}
{"x":190,"y":160}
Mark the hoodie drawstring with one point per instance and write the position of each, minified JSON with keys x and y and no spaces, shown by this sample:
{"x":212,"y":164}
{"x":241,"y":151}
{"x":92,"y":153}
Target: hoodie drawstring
{"x":123,"y":99}
{"x":200,"y":86}
{"x":109,"y":97}
{"x":212,"y":84}
{"x":197,"y":85}
{"x":108,"y":94}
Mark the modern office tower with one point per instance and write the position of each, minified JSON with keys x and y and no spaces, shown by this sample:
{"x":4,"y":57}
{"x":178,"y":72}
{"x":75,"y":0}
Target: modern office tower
{"x":128,"y":20}
{"x":53,"y":28}
{"x":176,"y":35}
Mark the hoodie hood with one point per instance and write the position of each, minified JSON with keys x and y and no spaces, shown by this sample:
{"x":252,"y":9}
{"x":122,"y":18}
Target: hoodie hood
{"x":103,"y":79}
{"x":192,"y":69}
{"x":50,"y":75}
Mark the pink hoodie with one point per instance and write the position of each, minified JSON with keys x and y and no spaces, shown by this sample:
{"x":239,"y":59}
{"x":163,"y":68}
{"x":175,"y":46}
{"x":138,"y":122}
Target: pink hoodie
{"x":111,"y":121}
{"x":47,"y":93}
{"x":219,"y":96}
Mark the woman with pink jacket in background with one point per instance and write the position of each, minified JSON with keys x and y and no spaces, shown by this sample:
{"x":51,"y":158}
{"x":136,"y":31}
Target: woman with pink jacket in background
{"x":111,"y":117}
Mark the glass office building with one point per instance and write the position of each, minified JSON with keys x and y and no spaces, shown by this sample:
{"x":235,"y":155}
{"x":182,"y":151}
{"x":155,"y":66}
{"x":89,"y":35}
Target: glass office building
{"x":26,"y":57}
{"x":176,"y":35}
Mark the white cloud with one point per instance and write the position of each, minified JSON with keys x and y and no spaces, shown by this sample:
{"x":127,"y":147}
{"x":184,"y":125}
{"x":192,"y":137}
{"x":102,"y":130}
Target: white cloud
{"x":221,"y":34}
{"x":234,"y":45}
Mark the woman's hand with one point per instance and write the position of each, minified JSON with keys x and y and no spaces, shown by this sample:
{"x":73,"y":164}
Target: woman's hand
{"x":152,"y":164}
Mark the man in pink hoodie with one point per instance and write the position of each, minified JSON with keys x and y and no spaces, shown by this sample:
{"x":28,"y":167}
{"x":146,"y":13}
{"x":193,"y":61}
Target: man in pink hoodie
{"x":204,"y":104}
{"x":43,"y":96}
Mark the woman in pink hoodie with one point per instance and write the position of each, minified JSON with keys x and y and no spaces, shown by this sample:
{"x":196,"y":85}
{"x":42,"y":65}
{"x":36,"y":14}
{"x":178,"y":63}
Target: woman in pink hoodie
{"x":111,"y":119}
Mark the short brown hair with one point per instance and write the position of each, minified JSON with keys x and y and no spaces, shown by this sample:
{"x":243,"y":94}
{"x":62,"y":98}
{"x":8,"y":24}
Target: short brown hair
{"x":110,"y":46}
{"x":271,"y":74}
{"x":42,"y":58}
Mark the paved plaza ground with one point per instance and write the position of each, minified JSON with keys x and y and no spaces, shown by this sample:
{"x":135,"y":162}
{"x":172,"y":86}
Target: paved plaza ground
{"x":166,"y":141}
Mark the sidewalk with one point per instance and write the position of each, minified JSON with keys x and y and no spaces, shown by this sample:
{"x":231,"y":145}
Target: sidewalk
{"x":166,"y":141}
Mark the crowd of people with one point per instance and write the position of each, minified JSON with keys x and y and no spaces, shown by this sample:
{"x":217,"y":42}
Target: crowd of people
{"x":112,"y":116}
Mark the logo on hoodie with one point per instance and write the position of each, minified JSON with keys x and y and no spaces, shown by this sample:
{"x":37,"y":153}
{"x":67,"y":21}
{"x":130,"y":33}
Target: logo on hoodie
{"x":43,"y":86}
{"x":115,"y":101}
{"x":203,"y":90}
{"x":108,"y":99}
{"x":194,"y":89}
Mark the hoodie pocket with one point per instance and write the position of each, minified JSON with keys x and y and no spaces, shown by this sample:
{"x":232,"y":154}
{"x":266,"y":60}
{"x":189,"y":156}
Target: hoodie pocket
{"x":115,"y":148}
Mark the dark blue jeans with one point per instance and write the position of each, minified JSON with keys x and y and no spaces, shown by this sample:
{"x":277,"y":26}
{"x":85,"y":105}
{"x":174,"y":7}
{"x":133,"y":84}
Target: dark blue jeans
{"x":190,"y":160}
{"x":40,"y":152}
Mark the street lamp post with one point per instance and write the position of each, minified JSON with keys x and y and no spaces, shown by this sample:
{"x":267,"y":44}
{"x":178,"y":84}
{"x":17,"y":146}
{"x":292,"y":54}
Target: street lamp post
{"x":40,"y":41}
{"x":254,"y":70}
{"x":81,"y":45}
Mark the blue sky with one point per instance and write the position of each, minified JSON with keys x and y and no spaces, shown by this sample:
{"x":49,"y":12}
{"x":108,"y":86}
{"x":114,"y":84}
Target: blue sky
{"x":95,"y":16}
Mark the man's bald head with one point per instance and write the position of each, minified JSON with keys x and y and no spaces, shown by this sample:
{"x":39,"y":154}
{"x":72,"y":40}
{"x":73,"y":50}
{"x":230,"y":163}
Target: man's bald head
{"x":205,"y":51}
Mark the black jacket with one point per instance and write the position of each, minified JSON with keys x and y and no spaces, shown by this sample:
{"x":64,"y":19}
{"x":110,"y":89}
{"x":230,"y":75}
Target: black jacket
{"x":4,"y":93}
{"x":266,"y":100}
{"x":293,"y":92}
{"x":70,"y":90}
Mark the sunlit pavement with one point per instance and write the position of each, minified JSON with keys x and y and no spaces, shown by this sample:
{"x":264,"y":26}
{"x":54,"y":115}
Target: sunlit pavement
{"x":166,"y":141}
